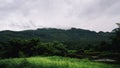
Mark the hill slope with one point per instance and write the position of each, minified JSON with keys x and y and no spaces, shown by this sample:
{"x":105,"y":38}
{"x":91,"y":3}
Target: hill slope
{"x":52,"y":34}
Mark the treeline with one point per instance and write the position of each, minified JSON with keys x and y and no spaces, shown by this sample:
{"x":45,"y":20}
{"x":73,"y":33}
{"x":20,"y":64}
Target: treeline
{"x":36,"y":47}
{"x":113,"y":45}
{"x":53,"y":34}
{"x":32,"y":47}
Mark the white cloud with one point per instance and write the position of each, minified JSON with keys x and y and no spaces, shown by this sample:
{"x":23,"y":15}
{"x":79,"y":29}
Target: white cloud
{"x":87,"y":14}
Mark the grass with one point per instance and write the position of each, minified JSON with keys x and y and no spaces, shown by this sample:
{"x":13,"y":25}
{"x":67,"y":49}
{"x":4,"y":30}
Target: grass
{"x":52,"y":62}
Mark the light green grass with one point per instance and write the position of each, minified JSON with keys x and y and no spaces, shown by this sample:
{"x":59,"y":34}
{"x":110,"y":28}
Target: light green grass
{"x":52,"y":62}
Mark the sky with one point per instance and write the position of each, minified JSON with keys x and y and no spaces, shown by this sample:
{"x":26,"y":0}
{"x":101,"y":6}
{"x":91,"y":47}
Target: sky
{"x":96,"y":15}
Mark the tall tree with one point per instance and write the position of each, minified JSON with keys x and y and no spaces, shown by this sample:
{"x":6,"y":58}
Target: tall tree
{"x":116,"y":40}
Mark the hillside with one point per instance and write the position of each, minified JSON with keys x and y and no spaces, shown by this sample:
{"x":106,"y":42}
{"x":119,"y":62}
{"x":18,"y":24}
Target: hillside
{"x":52,"y":34}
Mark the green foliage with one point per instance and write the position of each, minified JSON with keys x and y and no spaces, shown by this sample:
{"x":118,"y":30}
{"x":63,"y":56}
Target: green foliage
{"x":114,"y":45}
{"x":110,"y":49}
{"x":32,"y":47}
{"x":27,"y":43}
{"x":53,"y":62}
{"x":116,"y":41}
{"x":103,"y":46}
{"x":52,"y":34}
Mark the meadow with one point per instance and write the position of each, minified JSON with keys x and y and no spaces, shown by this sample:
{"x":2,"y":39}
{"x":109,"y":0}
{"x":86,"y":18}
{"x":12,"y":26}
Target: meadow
{"x":53,"y":62}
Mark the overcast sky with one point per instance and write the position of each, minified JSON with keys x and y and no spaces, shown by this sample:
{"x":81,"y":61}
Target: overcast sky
{"x":97,"y":15}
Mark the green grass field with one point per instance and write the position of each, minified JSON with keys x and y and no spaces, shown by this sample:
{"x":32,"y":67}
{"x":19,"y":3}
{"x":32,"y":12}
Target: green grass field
{"x":53,"y":62}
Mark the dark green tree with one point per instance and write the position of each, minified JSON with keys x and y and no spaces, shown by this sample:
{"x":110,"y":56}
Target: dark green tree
{"x":116,"y":40}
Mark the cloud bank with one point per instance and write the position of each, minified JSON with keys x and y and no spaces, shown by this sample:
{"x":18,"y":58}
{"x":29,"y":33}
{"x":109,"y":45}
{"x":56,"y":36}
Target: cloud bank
{"x":98,"y":15}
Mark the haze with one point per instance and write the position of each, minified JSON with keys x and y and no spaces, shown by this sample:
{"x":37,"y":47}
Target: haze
{"x":97,"y":15}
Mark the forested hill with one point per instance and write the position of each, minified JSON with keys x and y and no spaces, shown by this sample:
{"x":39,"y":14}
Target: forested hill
{"x":53,"y":34}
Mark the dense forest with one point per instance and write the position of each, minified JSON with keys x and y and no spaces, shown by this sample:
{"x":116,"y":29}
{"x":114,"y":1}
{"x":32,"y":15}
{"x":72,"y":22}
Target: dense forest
{"x":53,"y":34}
{"x":75,"y":43}
{"x":73,"y":36}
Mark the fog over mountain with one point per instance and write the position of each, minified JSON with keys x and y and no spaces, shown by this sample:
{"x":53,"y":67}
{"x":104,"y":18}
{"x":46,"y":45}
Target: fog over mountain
{"x":98,"y":15}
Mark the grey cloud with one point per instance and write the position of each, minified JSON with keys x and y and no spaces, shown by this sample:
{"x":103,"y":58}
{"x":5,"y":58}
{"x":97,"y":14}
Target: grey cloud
{"x":100,"y":7}
{"x":59,"y":13}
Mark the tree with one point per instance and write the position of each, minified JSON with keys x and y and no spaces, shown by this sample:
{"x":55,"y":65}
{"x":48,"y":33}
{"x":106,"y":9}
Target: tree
{"x":104,"y":46}
{"x":116,"y":40}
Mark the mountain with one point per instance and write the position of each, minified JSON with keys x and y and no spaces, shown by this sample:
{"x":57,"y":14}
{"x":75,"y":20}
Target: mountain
{"x":53,"y":34}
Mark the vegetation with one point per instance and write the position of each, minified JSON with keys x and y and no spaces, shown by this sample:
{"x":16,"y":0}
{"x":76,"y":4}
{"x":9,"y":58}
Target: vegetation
{"x":74,"y":43}
{"x":111,"y":49}
{"x":52,"y":34}
{"x":33,"y":47}
{"x":53,"y":62}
